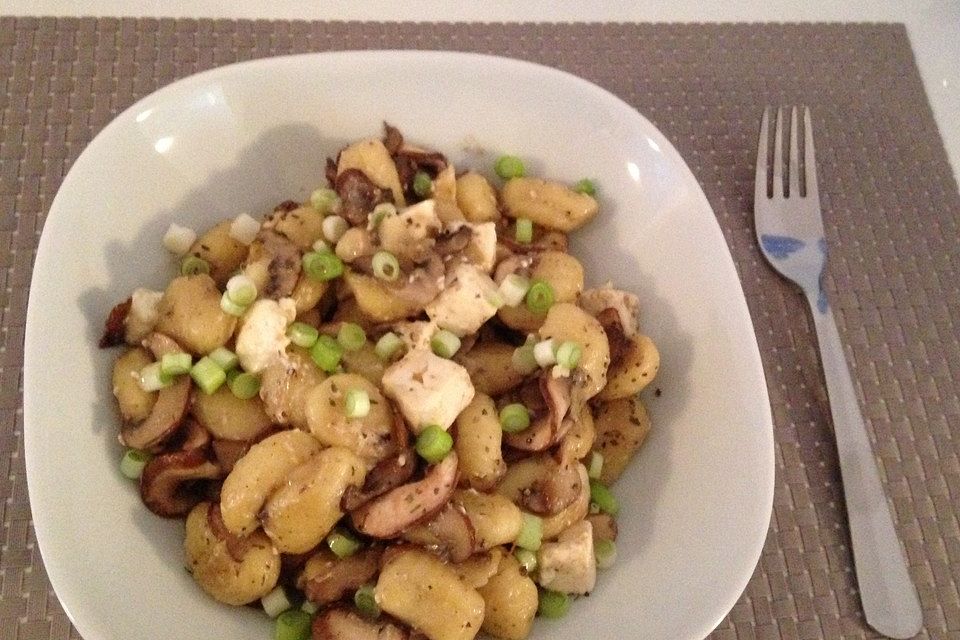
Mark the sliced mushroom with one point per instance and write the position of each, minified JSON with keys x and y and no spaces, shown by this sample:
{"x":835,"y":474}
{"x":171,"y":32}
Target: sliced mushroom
{"x":160,"y":344}
{"x":114,"y":328}
{"x":327,"y":578}
{"x":167,"y":414}
{"x":391,"y":513}
{"x":448,"y":533}
{"x":609,"y":319}
{"x":342,"y":624}
{"x":389,"y":473}
{"x":449,"y":243}
{"x":237,"y":546}
{"x":191,"y":435}
{"x":169,"y":484}
{"x":548,"y":429}
{"x":553,"y":492}
{"x":410,"y":160}
{"x":604,"y":526}
{"x":228,"y":452}
{"x":274,"y":264}
{"x":358,"y":195}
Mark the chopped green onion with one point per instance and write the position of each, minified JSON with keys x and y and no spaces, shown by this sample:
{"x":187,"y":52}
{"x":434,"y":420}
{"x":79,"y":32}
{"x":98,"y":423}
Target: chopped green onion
{"x":531,"y":533}
{"x":208,"y":375}
{"x":228,"y":306}
{"x":544,"y":353}
{"x":553,"y":604}
{"x":243,"y":385}
{"x":325,"y":201}
{"x":293,"y":625}
{"x":523,"y":360}
{"x":175,"y":364}
{"x":133,"y":462}
{"x":275,"y":602}
{"x":386,"y":266}
{"x":539,"y":297}
{"x":302,"y":334}
{"x":524,"y":230}
{"x":605,"y":551}
{"x":351,"y":336}
{"x":152,"y":377}
{"x":422,"y":184}
{"x":585,"y":186}
{"x":322,"y":265}
{"x":509,"y":167}
{"x":193,"y":265}
{"x":334,"y":227}
{"x":513,"y":288}
{"x":527,"y":560}
{"x":310,"y":608}
{"x":381,"y":212}
{"x":326,"y":353}
{"x":357,"y":403}
{"x":514,"y":417}
{"x":568,"y":354}
{"x":366,"y":601}
{"x":224,"y":358}
{"x":444,"y":344}
{"x":601,"y":496}
{"x":388,"y":344}
{"x":242,"y":290}
{"x":342,"y":543}
{"x":560,"y":372}
{"x":595,"y":466}
{"x":433,"y":444}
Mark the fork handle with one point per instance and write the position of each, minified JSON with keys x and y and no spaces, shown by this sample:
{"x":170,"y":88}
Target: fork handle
{"x":889,"y":598}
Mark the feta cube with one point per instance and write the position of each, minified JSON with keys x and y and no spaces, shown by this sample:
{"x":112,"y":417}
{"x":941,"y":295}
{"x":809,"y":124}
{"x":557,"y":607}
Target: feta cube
{"x":262,"y":337}
{"x":468,"y":301}
{"x":428,"y":389}
{"x":568,"y":565}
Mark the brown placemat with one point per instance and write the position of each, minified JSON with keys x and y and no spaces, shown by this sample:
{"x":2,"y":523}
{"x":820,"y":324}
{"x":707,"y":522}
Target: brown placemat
{"x":890,"y":201}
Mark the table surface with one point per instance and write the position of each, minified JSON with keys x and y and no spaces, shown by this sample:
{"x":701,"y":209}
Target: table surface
{"x":933,"y":25}
{"x":893,"y":283}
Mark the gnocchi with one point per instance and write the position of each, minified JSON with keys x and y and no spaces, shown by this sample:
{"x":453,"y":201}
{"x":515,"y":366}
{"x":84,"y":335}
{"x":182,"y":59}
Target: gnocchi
{"x":395,"y":398}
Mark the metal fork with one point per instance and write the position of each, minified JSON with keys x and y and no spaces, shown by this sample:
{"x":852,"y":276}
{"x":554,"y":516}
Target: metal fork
{"x":789,"y":227}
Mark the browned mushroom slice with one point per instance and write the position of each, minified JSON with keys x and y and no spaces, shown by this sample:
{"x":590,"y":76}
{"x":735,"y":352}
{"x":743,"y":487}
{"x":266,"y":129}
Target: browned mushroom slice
{"x":115,"y":327}
{"x":277,"y":256}
{"x":448,"y":243}
{"x":552,"y":492}
{"x":168,"y":485}
{"x":609,"y":319}
{"x":327,"y":578}
{"x":343,"y":624}
{"x":391,"y":513}
{"x":604,"y":526}
{"x":548,"y":429}
{"x":410,"y":160}
{"x":161,"y":344}
{"x":227,"y":452}
{"x":237,"y":546}
{"x":358,"y":195}
{"x":191,"y":435}
{"x":448,"y":533}
{"x":389,"y":473}
{"x":163,"y":421}
{"x":392,"y":138}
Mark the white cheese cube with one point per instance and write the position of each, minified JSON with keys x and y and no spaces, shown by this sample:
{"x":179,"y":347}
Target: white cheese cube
{"x":262,"y":337}
{"x":428,"y":389}
{"x":568,"y":565}
{"x":466,"y":303}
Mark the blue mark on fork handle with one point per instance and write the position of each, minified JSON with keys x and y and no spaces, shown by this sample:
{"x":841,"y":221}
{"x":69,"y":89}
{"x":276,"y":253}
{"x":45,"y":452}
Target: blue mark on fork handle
{"x":781,"y":247}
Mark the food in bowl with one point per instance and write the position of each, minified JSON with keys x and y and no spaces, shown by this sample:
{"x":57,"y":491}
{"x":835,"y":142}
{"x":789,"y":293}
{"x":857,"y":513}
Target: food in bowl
{"x":392,"y":410}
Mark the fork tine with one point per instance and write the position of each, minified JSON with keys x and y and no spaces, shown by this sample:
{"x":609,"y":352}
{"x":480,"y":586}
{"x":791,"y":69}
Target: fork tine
{"x":760,"y":180}
{"x":809,"y":158}
{"x":778,"y":157}
{"x":793,"y":169}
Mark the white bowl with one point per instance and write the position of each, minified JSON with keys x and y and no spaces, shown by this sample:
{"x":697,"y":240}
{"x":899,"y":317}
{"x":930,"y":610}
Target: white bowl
{"x":696,"y":500}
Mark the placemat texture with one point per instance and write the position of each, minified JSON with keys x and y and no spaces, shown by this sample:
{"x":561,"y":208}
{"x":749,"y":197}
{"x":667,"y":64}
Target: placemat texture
{"x":889,"y":197}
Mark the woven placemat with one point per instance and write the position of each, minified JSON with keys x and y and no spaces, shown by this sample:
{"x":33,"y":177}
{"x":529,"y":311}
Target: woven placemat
{"x":890,"y":201}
